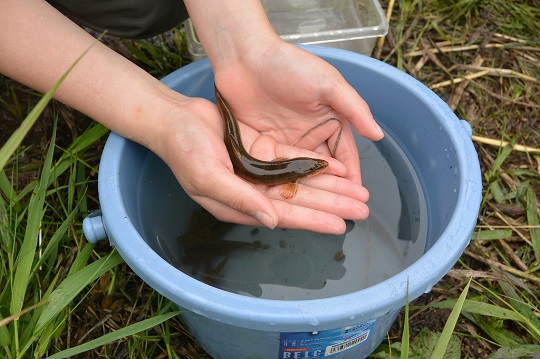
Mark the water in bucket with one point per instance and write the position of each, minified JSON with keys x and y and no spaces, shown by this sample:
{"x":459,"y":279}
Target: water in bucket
{"x":292,"y":264}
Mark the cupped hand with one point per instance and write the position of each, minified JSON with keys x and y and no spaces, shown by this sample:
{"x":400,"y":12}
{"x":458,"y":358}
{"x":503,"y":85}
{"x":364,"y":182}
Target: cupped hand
{"x":283,"y":91}
{"x":193,"y":147}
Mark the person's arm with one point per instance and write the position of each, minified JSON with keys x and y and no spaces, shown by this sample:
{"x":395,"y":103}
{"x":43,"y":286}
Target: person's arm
{"x":238,"y":34}
{"x":38,"y":44}
{"x":277,"y":88}
{"x":231,"y":30}
{"x":282,"y":91}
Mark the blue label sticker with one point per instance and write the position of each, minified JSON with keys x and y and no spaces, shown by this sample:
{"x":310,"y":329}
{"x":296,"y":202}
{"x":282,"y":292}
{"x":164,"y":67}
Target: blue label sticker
{"x":308,"y":345}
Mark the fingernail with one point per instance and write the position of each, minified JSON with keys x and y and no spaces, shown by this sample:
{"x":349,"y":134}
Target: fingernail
{"x":364,"y":193}
{"x":265,"y":219}
{"x":379,"y":129}
{"x":364,"y":213}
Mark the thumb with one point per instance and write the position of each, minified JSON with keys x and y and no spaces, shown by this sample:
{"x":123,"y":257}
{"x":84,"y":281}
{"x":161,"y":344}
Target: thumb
{"x":231,"y":199}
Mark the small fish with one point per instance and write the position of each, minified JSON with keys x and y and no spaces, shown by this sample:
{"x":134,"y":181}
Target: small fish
{"x":280,"y":171}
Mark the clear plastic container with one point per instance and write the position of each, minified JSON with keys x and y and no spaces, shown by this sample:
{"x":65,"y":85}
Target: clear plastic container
{"x":347,"y":24}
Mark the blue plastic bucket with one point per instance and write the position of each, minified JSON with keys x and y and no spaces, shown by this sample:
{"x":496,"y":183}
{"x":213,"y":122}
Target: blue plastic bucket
{"x":232,"y":326}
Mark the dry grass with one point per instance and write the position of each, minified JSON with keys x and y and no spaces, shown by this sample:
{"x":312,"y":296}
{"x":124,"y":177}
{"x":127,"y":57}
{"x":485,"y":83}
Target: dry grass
{"x":483,"y":59}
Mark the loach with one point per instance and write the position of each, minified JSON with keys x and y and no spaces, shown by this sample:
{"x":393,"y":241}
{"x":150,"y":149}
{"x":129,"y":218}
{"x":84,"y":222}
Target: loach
{"x":282,"y":171}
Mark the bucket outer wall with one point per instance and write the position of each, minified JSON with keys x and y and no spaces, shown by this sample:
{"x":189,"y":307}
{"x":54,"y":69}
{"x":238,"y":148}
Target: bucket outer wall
{"x":217,"y":315}
{"x":220,"y":340}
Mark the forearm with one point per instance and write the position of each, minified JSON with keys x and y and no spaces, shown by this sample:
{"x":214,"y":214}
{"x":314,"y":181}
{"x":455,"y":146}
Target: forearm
{"x":38,"y":44}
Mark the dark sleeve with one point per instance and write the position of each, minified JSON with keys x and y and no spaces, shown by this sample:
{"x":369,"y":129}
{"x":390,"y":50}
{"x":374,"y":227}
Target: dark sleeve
{"x":125,"y":18}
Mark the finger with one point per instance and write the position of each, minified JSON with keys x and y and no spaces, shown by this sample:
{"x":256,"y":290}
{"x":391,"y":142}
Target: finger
{"x":227,"y":214}
{"x":290,"y":216}
{"x":347,"y":153}
{"x":319,"y":133}
{"x":266,"y":149}
{"x":342,"y":146}
{"x":338,"y":185}
{"x":233,"y":193}
{"x":297,"y":217}
{"x":343,"y":98}
{"x":322,"y":200}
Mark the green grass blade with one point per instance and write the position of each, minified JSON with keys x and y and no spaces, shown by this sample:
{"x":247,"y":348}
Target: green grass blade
{"x":88,"y":138}
{"x":485,"y":309}
{"x":494,"y":331}
{"x":5,"y":337}
{"x":534,"y":222}
{"x":6,"y":187}
{"x":55,"y":239}
{"x":113,"y":336}
{"x":85,"y":140}
{"x":15,"y":140}
{"x":6,"y":238}
{"x":82,"y":259}
{"x":492,"y":235}
{"x":444,"y":339}
{"x":27,"y":336}
{"x":501,"y":157}
{"x":27,"y":251}
{"x":72,"y":285}
{"x":520,"y":352}
{"x":44,"y":340}
{"x":523,"y":309}
{"x":497,"y":192}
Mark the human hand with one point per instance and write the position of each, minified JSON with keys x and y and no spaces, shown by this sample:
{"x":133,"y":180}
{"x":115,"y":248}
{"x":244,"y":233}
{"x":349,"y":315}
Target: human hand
{"x":283,"y":91}
{"x":193,"y":148}
{"x":186,"y":133}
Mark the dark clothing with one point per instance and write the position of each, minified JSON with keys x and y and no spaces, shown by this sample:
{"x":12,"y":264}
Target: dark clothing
{"x":134,"y":19}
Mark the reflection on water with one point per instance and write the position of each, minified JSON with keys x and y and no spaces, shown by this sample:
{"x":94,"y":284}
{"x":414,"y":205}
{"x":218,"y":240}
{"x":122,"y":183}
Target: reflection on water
{"x":291,"y":264}
{"x":206,"y":251}
{"x":214,"y":252}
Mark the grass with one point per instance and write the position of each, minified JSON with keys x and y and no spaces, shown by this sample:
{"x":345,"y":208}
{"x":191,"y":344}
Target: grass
{"x":35,"y":299}
{"x":62,"y":297}
{"x":482,"y":57}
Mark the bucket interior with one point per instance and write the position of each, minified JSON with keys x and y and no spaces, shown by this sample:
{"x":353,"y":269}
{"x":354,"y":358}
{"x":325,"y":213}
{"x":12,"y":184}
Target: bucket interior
{"x":290,"y":264}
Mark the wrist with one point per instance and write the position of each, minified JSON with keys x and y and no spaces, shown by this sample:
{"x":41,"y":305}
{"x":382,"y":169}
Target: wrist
{"x":231,"y":30}
{"x":160,"y":121}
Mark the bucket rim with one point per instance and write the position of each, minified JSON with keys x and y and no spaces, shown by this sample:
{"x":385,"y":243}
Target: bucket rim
{"x":299,"y":315}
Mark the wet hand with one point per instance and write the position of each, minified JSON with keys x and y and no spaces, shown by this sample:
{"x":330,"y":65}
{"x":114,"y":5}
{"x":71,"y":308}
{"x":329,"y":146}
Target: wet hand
{"x":194,"y":149}
{"x":283,"y":91}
